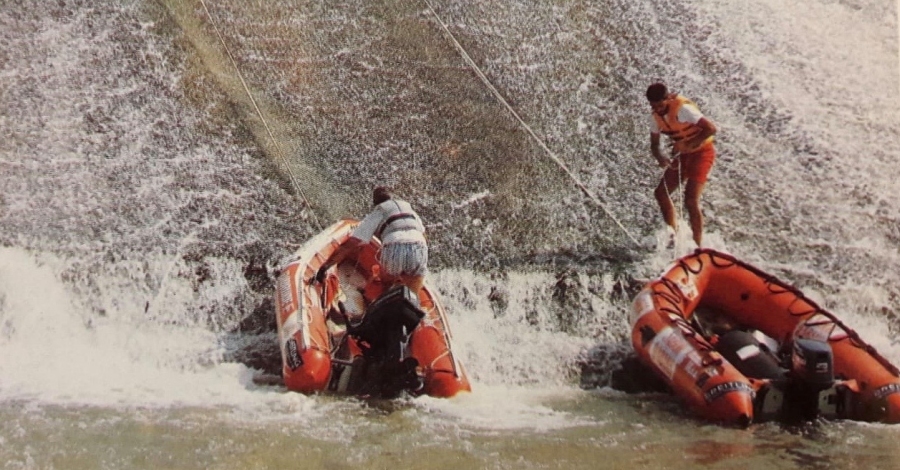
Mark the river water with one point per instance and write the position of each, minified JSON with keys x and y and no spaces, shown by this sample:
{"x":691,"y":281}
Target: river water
{"x":159,"y":157}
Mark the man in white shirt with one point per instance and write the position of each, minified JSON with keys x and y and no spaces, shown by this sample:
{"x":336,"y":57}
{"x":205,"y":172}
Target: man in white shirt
{"x":404,"y":250}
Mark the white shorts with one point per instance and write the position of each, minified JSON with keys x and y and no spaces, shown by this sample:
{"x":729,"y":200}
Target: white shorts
{"x":409,"y":259}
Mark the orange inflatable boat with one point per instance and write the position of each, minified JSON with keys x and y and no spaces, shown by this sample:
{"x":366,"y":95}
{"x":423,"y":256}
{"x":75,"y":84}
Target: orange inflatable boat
{"x":737,"y":346}
{"x":351,"y":334}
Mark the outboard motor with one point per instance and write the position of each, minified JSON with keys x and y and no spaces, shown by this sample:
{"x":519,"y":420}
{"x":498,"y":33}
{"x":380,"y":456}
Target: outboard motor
{"x":812,"y":362}
{"x":811,"y":388}
{"x":749,"y":356}
{"x":383,"y":334}
{"x":755,"y":359}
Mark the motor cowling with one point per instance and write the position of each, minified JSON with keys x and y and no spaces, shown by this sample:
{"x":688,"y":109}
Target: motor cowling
{"x":812,"y":362}
{"x":752,"y":358}
{"x":811,"y":392}
{"x":382,"y":335}
{"x":388,"y":322}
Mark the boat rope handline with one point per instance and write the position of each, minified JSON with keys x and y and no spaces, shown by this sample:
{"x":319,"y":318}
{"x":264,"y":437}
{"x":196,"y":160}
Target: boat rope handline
{"x":465,"y":55}
{"x":259,"y":113}
{"x":678,"y":207}
{"x":448,"y":336}
{"x":722,"y":260}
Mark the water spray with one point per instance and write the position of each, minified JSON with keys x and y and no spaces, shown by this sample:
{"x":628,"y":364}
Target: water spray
{"x":465,"y":55}
{"x":259,"y":113}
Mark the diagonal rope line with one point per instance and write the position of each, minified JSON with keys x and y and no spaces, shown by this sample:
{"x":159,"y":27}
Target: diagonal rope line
{"x":259,"y":113}
{"x":527,"y":128}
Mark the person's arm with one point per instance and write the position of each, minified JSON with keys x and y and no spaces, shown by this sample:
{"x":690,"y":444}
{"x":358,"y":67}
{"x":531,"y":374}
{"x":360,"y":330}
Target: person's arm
{"x":691,"y":114}
{"x":346,"y":249}
{"x":657,"y":154}
{"x":361,"y":234}
{"x":707,"y":130}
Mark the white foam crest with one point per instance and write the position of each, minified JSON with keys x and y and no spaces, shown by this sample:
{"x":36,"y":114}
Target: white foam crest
{"x":827,"y":67}
{"x":861,"y":307}
{"x":502,"y":407}
{"x":521,"y":342}
{"x":50,"y":354}
{"x":822,"y":60}
{"x":671,"y":245}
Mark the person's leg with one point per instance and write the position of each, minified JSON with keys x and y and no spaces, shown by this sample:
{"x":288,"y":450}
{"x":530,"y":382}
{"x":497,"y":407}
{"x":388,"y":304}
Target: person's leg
{"x":414,"y":283}
{"x":692,"y":191}
{"x":416,"y":267}
{"x":697,"y":168}
{"x":667,"y":185}
{"x":405,"y":263}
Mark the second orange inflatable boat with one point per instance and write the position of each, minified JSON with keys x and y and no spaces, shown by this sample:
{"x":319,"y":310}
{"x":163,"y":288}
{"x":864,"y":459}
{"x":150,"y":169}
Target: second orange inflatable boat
{"x":771,"y":351}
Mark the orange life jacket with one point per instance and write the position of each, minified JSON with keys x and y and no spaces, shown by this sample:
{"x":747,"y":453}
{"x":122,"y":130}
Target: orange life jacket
{"x":676,"y":130}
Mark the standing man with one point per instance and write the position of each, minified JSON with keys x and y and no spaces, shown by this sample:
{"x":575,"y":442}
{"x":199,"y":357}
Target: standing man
{"x":404,"y":251}
{"x":691,"y":137}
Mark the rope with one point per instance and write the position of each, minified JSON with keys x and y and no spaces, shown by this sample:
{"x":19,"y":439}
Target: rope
{"x":527,"y":128}
{"x":675,"y":206}
{"x":678,"y":207}
{"x":259,"y":113}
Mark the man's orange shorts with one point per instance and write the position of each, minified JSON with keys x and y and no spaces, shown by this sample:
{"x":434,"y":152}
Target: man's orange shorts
{"x":693,"y":166}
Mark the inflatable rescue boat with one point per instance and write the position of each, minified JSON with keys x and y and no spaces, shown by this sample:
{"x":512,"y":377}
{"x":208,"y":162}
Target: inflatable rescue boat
{"x":738,"y":346}
{"x":351,"y":334}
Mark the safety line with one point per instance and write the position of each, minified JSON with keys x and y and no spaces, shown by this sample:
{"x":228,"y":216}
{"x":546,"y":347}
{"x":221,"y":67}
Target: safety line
{"x":527,"y":128}
{"x":678,"y":207}
{"x":259,"y":113}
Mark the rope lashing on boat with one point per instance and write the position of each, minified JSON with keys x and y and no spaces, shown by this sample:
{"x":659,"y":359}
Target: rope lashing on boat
{"x":555,"y":158}
{"x":672,"y":294}
{"x":720,"y":261}
{"x":814,"y":309}
{"x":262,"y":118}
{"x":675,"y":297}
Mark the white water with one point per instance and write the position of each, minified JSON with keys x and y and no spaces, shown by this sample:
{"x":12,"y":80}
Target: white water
{"x":52,"y":356}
